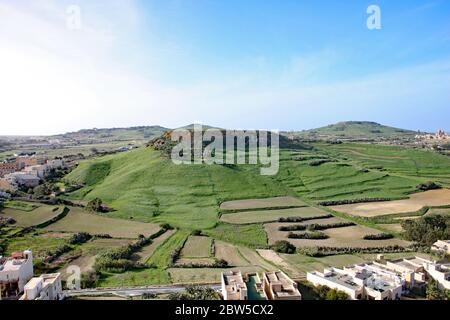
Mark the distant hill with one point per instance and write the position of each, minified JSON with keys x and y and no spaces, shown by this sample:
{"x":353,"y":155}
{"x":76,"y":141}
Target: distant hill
{"x":113,"y":134}
{"x":356,"y":130}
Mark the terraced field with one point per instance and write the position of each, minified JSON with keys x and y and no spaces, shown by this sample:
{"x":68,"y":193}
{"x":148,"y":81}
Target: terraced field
{"x":29,"y":218}
{"x":351,"y":236}
{"x":247,"y":217}
{"x":78,"y":220}
{"x":277,"y":202}
{"x":415,"y":202}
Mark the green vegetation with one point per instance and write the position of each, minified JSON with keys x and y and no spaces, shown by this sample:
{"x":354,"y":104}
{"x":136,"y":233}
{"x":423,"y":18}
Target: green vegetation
{"x":379,"y":236}
{"x":355,"y":130}
{"x":308,"y":235}
{"x":196,"y":293}
{"x":283,"y":246}
{"x":325,"y":293}
{"x":428,"y":229}
{"x":433,"y":292}
{"x":20,"y":205}
{"x":252,"y":235}
{"x":146,"y":186}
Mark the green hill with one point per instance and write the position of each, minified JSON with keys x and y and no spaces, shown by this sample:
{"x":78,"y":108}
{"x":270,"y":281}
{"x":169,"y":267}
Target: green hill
{"x":357,"y":130}
{"x":145,"y":185}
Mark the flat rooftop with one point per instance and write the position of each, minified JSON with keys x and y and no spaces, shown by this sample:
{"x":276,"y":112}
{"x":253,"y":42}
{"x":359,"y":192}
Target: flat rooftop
{"x":12,"y":264}
{"x":287,"y":288}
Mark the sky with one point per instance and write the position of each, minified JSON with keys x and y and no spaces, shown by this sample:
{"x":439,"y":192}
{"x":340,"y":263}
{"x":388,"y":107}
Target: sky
{"x":253,"y":64}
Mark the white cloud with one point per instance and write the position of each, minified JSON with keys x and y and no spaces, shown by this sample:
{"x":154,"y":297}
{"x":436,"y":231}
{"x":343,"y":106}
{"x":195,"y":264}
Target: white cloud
{"x":54,"y":80}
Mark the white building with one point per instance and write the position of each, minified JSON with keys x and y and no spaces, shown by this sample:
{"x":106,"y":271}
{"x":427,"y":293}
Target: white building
{"x":39,"y":171}
{"x":440,"y":273}
{"x":233,"y":286}
{"x":278,"y":286}
{"x":23,"y":179}
{"x":15,"y":272}
{"x":45,"y":287}
{"x":441,"y":246}
{"x":360,"y":282}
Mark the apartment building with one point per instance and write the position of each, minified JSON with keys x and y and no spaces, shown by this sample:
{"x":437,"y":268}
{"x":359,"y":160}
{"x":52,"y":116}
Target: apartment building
{"x":278,"y":286}
{"x":7,"y":168}
{"x":27,"y":161}
{"x":440,"y":273}
{"x":233,"y":286}
{"x":411,"y":269}
{"x":45,"y":287}
{"x":361,"y":282}
{"x":23,"y":179}
{"x":15,"y":272}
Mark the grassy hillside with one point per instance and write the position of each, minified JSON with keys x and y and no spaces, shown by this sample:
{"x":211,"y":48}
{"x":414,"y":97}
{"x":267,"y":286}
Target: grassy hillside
{"x":355,"y":130}
{"x":145,"y":185}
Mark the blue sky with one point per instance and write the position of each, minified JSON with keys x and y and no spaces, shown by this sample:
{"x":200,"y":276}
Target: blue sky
{"x":240,"y":64}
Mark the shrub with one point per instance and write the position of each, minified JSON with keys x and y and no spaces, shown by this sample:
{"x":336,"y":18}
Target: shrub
{"x":89,"y":279}
{"x":430,"y":185}
{"x":79,"y":238}
{"x":283,"y":246}
{"x":329,"y":251}
{"x":196,"y":293}
{"x":351,"y":201}
{"x":308,"y":235}
{"x":379,"y":236}
{"x":302,"y":219}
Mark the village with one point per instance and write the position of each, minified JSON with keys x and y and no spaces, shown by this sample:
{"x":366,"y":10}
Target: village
{"x":381,"y":279}
{"x":26,"y":171}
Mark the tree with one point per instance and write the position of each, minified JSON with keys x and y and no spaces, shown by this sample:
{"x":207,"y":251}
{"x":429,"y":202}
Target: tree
{"x":95,"y":205}
{"x":334,"y":294}
{"x":283,"y":246}
{"x":428,"y":229}
{"x":434,"y":292}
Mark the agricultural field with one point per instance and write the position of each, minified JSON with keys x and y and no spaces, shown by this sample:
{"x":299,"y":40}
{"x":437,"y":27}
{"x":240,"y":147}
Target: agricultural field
{"x":277,"y":202}
{"x":442,"y":212}
{"x":78,"y":220}
{"x":33,"y":215}
{"x":230,"y":253}
{"x":39,"y":242}
{"x":414,"y":203}
{"x":148,"y":251}
{"x":252,"y":235}
{"x":260,"y":216}
{"x":237,"y":209}
{"x":197,"y":247}
{"x":88,"y":252}
{"x":196,"y":250}
{"x":351,"y":236}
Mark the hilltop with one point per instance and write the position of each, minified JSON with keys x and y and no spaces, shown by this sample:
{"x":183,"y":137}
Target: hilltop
{"x":357,"y":131}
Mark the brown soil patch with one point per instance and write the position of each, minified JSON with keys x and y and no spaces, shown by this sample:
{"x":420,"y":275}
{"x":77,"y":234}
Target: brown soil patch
{"x":338,"y":237}
{"x":414,"y":203}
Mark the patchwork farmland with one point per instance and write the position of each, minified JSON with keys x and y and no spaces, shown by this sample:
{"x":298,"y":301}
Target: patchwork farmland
{"x":415,"y":202}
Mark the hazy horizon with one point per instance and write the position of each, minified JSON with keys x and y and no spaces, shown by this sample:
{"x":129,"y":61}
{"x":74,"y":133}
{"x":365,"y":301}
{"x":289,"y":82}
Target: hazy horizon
{"x":213,"y":125}
{"x":291,"y":65}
